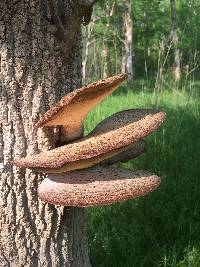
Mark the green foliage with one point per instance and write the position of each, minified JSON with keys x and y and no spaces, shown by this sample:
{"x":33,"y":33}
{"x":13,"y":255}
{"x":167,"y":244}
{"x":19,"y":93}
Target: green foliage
{"x":151,"y":30}
{"x":162,"y":229}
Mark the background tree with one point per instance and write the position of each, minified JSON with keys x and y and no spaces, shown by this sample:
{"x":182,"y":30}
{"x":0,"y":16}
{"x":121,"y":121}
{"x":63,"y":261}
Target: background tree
{"x":105,"y":48}
{"x":127,"y":58}
{"x":174,"y":36}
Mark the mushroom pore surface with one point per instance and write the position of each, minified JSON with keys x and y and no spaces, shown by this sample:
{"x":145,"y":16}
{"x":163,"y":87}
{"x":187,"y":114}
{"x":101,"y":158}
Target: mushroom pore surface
{"x":83,"y":163}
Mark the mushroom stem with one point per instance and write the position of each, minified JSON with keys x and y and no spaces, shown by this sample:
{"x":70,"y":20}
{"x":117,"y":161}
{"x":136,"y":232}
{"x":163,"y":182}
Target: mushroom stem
{"x":65,"y":136}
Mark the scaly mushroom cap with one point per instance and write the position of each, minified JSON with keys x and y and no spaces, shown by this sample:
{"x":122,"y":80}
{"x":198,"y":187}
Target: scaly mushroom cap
{"x":130,"y":152}
{"x":72,"y":109}
{"x":96,"y":186}
{"x":128,"y":127}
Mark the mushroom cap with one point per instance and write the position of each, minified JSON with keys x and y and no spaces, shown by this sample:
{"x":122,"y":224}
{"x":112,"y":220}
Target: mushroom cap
{"x":71,"y":110}
{"x":96,"y":186}
{"x":127,"y":127}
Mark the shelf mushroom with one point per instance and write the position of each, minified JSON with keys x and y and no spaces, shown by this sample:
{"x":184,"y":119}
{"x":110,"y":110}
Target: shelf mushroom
{"x":108,"y":139}
{"x":72,"y":179}
{"x":72,"y":109}
{"x":96,"y":186}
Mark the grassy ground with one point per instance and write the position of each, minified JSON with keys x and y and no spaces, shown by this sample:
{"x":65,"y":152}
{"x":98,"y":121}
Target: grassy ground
{"x":162,"y":229}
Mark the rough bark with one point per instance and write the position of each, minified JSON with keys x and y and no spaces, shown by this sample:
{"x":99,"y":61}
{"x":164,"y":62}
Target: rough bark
{"x":127,"y":62}
{"x":34,"y":74}
{"x":174,"y":35}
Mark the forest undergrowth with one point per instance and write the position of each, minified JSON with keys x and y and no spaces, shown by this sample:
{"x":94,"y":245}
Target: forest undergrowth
{"x":162,"y":229}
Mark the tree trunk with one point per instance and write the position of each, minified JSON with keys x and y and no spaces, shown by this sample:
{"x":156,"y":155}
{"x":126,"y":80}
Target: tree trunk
{"x":105,"y":51}
{"x":87,"y":43}
{"x":177,"y":68}
{"x":128,"y":35}
{"x":34,"y":74}
{"x":123,"y":62}
{"x":105,"y":48}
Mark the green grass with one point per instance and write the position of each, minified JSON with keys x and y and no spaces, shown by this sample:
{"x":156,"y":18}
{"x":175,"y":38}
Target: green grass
{"x":163,"y":228}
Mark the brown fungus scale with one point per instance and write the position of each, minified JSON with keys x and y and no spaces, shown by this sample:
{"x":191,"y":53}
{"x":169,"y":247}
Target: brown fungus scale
{"x":96,"y":186}
{"x":72,"y":180}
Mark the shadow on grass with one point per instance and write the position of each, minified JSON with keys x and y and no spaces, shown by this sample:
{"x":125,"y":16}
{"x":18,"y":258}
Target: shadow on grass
{"x":156,"y":230}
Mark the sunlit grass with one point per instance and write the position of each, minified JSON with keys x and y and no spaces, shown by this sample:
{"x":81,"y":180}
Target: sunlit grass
{"x":162,"y":229}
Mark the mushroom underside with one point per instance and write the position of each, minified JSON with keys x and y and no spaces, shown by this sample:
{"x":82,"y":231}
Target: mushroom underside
{"x":72,"y":109}
{"x":132,"y":151}
{"x":122,"y":154}
{"x":82,"y":164}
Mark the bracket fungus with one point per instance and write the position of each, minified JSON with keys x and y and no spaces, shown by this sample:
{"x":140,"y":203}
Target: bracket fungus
{"x":109,"y":138}
{"x":73,"y":179}
{"x":96,"y":186}
{"x":72,"y":109}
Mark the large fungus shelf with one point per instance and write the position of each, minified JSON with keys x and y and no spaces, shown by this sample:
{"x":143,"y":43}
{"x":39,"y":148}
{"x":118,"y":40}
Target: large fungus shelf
{"x":96,"y":186}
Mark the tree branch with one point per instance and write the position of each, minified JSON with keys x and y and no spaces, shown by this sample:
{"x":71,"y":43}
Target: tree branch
{"x":90,"y":3}
{"x":81,"y":13}
{"x":87,"y":3}
{"x":60,"y":30}
{"x":86,"y":7}
{"x":68,"y":36}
